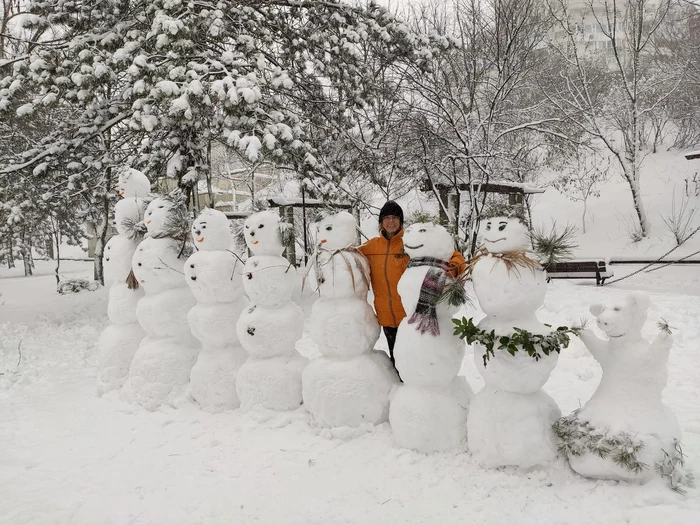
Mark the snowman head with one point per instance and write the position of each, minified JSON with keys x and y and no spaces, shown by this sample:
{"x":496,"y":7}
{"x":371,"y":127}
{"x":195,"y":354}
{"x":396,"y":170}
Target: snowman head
{"x":622,"y":317}
{"x":211,"y":231}
{"x":504,"y":234}
{"x":127,"y":212}
{"x":425,"y":239}
{"x":337,"y":231}
{"x":263,"y":233}
{"x":157,"y":214}
{"x":133,"y":183}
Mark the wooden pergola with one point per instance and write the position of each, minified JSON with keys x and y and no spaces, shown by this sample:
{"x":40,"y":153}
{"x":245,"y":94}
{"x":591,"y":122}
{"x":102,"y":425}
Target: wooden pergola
{"x":515,"y":190}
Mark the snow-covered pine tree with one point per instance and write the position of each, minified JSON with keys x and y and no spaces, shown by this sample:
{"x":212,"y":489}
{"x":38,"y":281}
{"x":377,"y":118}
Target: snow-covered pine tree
{"x":152,"y":82}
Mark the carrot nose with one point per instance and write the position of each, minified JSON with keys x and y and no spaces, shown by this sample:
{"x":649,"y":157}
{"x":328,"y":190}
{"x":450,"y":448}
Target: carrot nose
{"x":323,"y":240}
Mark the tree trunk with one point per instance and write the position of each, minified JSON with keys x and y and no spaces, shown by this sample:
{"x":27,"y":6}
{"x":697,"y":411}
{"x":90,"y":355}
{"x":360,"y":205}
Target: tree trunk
{"x":58,"y":254}
{"x":11,"y":255}
{"x":583,"y":217}
{"x":101,"y":231}
{"x":639,"y":207}
{"x":49,"y":247}
{"x":26,"y":253}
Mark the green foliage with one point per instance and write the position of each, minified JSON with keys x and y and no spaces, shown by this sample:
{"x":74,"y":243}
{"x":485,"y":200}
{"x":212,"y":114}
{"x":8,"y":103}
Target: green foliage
{"x":672,"y":468}
{"x":521,"y":340}
{"x":580,"y":437}
{"x":454,"y":294}
{"x":554,"y":246}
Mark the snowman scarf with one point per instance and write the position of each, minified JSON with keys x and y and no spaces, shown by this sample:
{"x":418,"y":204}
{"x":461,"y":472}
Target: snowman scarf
{"x":430,"y":292}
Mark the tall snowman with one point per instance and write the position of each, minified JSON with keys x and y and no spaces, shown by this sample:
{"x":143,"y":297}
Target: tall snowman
{"x":214,"y":276}
{"x":160,"y":370}
{"x":118,"y":342}
{"x":428,"y":411}
{"x":624,"y":431}
{"x":350,"y":384}
{"x":510,"y":419}
{"x":269,"y":328}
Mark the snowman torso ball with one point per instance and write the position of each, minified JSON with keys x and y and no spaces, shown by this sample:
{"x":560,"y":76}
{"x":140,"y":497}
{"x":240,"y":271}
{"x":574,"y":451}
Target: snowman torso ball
{"x":133,"y":183}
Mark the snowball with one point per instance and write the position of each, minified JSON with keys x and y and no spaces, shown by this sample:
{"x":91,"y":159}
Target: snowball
{"x":133,"y":183}
{"x":349,"y":392}
{"x":428,"y":240}
{"x":211,"y":231}
{"x":262,"y":233}
{"x":273,"y":383}
{"x":503,"y":235}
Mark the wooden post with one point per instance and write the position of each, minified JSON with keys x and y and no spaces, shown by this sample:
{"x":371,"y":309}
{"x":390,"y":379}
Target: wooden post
{"x":443,"y":196}
{"x":287,"y":215}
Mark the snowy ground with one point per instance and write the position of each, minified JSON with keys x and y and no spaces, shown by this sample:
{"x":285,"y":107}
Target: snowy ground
{"x":67,"y":456}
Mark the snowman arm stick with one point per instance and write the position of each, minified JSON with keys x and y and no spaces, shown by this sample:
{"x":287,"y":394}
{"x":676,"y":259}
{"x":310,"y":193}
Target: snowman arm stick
{"x":595,"y":345}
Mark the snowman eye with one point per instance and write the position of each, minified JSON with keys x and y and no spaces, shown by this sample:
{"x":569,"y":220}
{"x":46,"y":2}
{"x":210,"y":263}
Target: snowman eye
{"x":329,"y":228}
{"x":261,"y":226}
{"x":422,"y":230}
{"x":247,"y":227}
{"x":488,"y":227}
{"x":204,"y":227}
{"x":161,"y":207}
{"x":501,"y":227}
{"x":617,"y":308}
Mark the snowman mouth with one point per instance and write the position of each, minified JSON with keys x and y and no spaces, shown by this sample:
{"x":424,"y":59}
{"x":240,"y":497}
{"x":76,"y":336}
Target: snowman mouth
{"x":255,"y":242}
{"x":496,"y":240}
{"x":200,"y":240}
{"x":413,"y":247}
{"x":121,"y":193}
{"x":615,"y":336}
{"x":148,"y":222}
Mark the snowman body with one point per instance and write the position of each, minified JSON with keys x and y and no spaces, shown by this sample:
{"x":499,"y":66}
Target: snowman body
{"x":118,"y":342}
{"x":349,"y":384}
{"x":160,"y":371}
{"x":628,"y":399}
{"x":269,"y":327}
{"x":428,"y":411}
{"x":512,"y":402}
{"x":213,"y":275}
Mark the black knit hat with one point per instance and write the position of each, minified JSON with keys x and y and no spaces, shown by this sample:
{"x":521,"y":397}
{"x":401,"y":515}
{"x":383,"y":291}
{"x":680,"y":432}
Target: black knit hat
{"x":391,"y":208}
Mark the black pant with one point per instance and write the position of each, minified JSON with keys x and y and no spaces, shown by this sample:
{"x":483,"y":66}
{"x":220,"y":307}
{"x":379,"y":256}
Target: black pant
{"x":390,"y":334}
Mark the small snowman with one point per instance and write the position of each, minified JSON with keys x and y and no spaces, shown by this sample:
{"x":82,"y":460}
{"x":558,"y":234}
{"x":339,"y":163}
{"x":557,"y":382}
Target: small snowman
{"x":350,"y":384}
{"x":118,"y":342}
{"x":269,"y":328}
{"x":212,"y":277}
{"x":160,"y":370}
{"x":510,"y":419}
{"x":428,"y":411}
{"x":624,"y":432}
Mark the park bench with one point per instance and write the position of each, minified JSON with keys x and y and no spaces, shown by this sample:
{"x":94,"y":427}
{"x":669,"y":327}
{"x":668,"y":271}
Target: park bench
{"x":591,"y":269}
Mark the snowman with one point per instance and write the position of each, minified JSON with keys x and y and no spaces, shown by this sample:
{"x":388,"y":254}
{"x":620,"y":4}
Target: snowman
{"x":510,"y":419}
{"x":160,"y":370}
{"x":270,"y":326}
{"x":428,"y":411}
{"x":212,"y":277}
{"x":118,"y":342}
{"x":350,"y":384}
{"x":624,"y":432}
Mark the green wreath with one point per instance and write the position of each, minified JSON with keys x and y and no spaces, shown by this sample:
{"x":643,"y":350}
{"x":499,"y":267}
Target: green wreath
{"x":521,"y":340}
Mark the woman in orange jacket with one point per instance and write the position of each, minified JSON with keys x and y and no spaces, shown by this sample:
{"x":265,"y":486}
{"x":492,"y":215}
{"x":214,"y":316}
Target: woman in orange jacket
{"x":387,"y":262}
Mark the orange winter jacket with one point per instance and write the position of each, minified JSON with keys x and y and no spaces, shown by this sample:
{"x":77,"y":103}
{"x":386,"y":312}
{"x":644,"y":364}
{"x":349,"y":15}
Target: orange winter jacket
{"x":387,"y":262}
